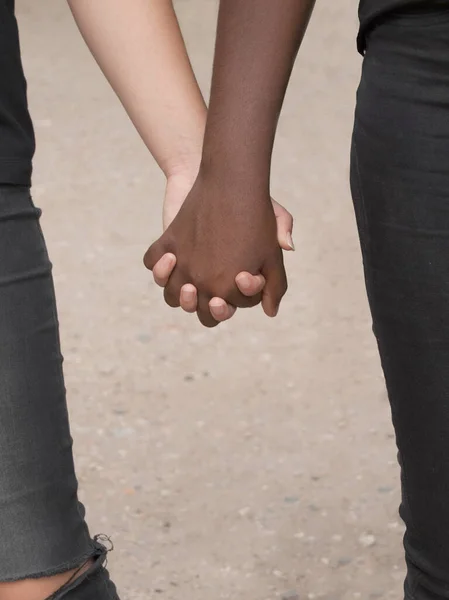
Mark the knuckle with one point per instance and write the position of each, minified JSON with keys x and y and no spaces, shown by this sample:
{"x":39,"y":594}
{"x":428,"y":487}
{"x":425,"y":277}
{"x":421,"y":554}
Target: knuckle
{"x":147,"y":260}
{"x":203,"y":313}
{"x":207,"y":320}
{"x":284,"y":288}
{"x":151,"y":257}
{"x":171,"y":298}
{"x":242,"y":301}
{"x":157,"y":250}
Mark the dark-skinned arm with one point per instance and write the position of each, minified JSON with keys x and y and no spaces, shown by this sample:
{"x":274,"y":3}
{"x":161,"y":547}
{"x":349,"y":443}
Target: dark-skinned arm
{"x":256,"y":47}
{"x":227,"y":224}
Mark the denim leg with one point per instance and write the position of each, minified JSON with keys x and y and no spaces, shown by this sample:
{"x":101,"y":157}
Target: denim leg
{"x":42,"y":526}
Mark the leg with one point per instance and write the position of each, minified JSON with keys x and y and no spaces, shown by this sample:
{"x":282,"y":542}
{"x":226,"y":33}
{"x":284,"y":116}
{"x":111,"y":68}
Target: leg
{"x":43,"y":532}
{"x":400,"y":185}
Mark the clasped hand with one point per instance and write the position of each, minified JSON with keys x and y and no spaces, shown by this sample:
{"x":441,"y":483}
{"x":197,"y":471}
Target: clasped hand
{"x":221,"y":249}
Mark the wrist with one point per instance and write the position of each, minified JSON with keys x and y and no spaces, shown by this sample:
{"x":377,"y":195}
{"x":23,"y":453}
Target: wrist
{"x":183,"y":167}
{"x":183,"y":156}
{"x":235,"y":170}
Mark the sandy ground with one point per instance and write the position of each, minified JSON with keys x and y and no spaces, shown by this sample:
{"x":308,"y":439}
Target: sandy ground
{"x":254,"y":461}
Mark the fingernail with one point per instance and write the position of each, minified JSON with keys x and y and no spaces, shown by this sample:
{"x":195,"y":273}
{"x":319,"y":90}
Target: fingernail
{"x":244,"y":281}
{"x":168,"y":260}
{"x":276,"y":310}
{"x":188,"y":294}
{"x":218,"y":309}
{"x":290,"y":241}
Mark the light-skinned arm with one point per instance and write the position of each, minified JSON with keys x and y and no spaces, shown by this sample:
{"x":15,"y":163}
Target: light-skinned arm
{"x":139,"y":47}
{"x":227,"y":223}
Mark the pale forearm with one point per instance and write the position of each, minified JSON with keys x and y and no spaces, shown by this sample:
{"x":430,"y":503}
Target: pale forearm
{"x":139,"y":47}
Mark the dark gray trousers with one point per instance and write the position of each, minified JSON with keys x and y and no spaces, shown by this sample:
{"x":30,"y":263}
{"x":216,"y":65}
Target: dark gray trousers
{"x":400,"y":184}
{"x":42,"y":526}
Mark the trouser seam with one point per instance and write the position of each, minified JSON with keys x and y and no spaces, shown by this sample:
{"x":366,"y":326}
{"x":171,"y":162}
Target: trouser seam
{"x":100,"y":556}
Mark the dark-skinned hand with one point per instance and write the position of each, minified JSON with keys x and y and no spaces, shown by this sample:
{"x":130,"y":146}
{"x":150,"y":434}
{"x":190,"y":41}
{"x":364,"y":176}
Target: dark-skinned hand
{"x":220,"y":231}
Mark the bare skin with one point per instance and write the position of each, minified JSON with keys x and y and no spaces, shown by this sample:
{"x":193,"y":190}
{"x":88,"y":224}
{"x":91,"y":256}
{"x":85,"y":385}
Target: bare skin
{"x":162,"y":98}
{"x":140,"y":49}
{"x":170,"y":118}
{"x":249,"y":285}
{"x":227,"y":225}
{"x":38,"y":589}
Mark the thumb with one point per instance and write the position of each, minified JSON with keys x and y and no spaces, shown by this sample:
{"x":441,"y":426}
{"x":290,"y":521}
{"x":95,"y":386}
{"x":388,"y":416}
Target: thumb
{"x":275,"y":287}
{"x":284,"y":221}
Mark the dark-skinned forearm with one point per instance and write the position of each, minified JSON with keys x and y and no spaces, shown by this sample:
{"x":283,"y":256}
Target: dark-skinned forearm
{"x":257,"y":43}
